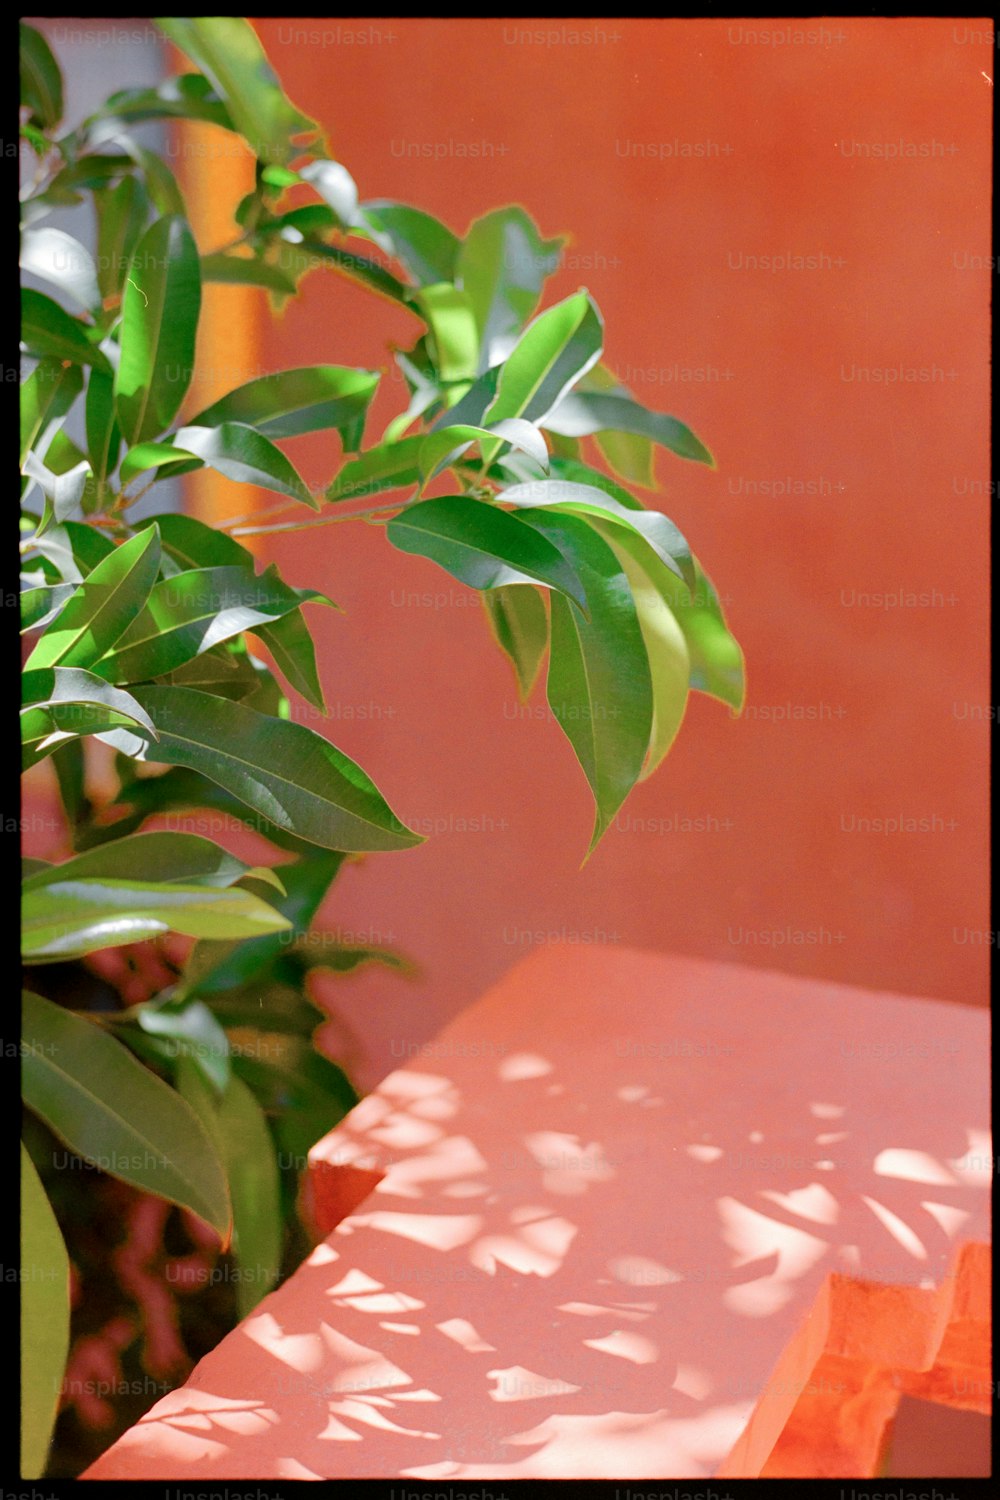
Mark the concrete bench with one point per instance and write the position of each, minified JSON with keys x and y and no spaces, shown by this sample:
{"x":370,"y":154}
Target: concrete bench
{"x":577,"y":1234}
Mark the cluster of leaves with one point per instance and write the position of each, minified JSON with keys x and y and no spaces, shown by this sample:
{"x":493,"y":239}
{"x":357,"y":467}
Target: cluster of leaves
{"x":139,"y":626}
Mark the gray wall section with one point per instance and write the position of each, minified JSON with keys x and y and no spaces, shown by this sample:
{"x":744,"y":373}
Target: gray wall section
{"x":98,"y":56}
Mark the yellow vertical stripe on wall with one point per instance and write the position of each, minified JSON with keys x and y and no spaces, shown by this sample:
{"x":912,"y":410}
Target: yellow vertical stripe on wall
{"x":215,"y":170}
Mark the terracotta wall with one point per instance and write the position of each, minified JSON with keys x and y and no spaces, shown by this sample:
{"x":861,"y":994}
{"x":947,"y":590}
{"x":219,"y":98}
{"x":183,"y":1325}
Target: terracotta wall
{"x":843,"y":391}
{"x":786,"y":227}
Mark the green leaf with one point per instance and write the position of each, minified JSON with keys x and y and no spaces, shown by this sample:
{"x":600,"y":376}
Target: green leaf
{"x":599,"y":685}
{"x":41,"y":81}
{"x":46,"y":397}
{"x":255,"y":1190}
{"x":444,"y":445}
{"x":187,"y":1029}
{"x":448,"y":314}
{"x":165,"y":858}
{"x":103,"y":437}
{"x":71,"y":774}
{"x":474,"y":404}
{"x":482,"y":546}
{"x":121,"y":219}
{"x":102,"y":607}
{"x":44,"y":1319}
{"x":389,"y":466}
{"x":335,"y":186}
{"x":246,"y":456}
{"x":627,"y":453}
{"x":47,"y":329}
{"x":521,"y":628}
{"x":160,"y":308}
{"x":227,"y":671}
{"x":358,"y":267}
{"x":192,"y":544}
{"x":287,"y":773}
{"x":227,"y":51}
{"x":194,"y":611}
{"x":344,"y":960}
{"x":74,"y":549}
{"x":116,"y":1114}
{"x":160,"y":183}
{"x":549,"y":357}
{"x":65,"y":702}
{"x":246,"y":270}
{"x":215,"y":966}
{"x":64,"y":490}
{"x":187,"y":97}
{"x":666,"y":648}
{"x":67,"y":918}
{"x":421,"y":243}
{"x":294,"y":401}
{"x":581,"y":413}
{"x":291,"y":645}
{"x":659,"y":533}
{"x":60,"y":259}
{"x":42,"y":604}
{"x":305,"y":1093}
{"x":716,"y":659}
{"x":171,"y":460}
{"x":576,"y":472}
{"x":502,"y":265}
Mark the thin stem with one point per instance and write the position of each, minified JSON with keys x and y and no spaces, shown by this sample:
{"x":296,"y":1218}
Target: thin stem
{"x":357,"y":515}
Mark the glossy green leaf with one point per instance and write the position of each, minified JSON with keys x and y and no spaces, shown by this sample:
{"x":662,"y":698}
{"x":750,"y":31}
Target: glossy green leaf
{"x":44,"y":1320}
{"x":103,"y":436}
{"x":116,"y":1114}
{"x":246,"y":270}
{"x":444,"y":445}
{"x":577,"y":472}
{"x":161,"y":857}
{"x":186,"y":1029}
{"x":41,"y":81}
{"x":122,"y":212}
{"x":520,"y":626}
{"x":65,"y":702}
{"x":599,"y":685}
{"x":167,"y":457}
{"x":583,"y":412}
{"x":474,"y":404}
{"x":192,"y":544}
{"x":389,"y":466}
{"x":71,"y":774}
{"x":716,"y":659}
{"x":294,"y":401}
{"x":46,"y":397}
{"x":103,"y":606}
{"x":67,"y":918}
{"x":47,"y":329}
{"x":421,"y":243}
{"x":225,"y":671}
{"x":502,"y":265}
{"x":42,"y":604}
{"x":58,"y":258}
{"x":666,"y":648}
{"x":335,"y":186}
{"x":74,"y":549}
{"x":549,"y":357}
{"x":291,"y":644}
{"x":227,"y":51}
{"x":216,"y":966}
{"x":481,"y":545}
{"x":246,"y":456}
{"x":63,"y":491}
{"x":287,"y":773}
{"x":194,"y":611}
{"x":187,"y":97}
{"x":659,"y":533}
{"x":255,"y":1190}
{"x":160,"y":308}
{"x":628,"y":454}
{"x":455,"y":338}
{"x":160,"y":183}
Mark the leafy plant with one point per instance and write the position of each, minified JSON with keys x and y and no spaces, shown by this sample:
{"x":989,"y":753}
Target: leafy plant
{"x":140,"y":626}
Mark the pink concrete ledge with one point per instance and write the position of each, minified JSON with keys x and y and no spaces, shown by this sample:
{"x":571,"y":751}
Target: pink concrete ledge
{"x":574,"y":1236}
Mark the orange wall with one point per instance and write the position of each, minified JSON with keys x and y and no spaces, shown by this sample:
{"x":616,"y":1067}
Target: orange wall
{"x":856,"y":711}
